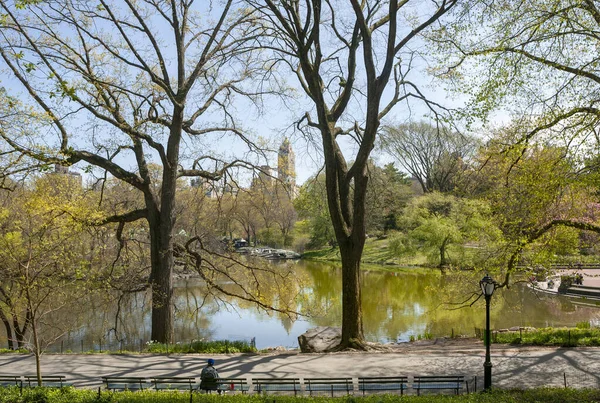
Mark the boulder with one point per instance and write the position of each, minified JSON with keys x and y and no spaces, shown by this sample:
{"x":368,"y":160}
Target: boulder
{"x":320,"y":339}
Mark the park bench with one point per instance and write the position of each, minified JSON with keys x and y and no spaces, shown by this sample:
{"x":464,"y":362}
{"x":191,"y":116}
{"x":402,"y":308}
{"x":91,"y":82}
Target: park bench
{"x":233,"y":385}
{"x":122,"y":383}
{"x":265,"y":385}
{"x":48,"y":381}
{"x":10,"y":380}
{"x":329,"y":385}
{"x":174,"y":383}
{"x":383,"y":383}
{"x":449,"y":382}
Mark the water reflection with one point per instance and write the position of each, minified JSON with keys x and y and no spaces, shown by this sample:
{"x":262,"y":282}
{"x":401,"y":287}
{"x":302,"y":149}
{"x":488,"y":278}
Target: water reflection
{"x":396,"y":306}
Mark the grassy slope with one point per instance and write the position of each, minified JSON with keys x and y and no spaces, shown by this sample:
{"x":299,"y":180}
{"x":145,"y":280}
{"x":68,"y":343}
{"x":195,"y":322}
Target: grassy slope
{"x":376,"y":252}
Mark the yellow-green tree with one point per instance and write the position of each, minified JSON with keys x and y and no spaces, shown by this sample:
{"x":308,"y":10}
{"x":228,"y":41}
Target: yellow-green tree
{"x":44,"y":259}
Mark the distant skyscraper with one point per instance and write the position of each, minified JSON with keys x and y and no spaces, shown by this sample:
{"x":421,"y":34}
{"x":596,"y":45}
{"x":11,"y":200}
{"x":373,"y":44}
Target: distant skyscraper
{"x":73,"y":177}
{"x":286,"y":165}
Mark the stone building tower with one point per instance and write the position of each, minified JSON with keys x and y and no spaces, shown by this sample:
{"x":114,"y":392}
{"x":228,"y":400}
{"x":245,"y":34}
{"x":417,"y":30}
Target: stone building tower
{"x":286,"y":165}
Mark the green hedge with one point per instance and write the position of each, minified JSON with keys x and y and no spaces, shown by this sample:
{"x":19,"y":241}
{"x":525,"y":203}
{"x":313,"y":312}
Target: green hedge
{"x":71,"y":395}
{"x":201,"y":346}
{"x":564,"y":337}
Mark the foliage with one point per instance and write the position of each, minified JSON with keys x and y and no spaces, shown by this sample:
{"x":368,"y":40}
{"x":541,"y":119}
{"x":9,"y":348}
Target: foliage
{"x":564,"y":337}
{"x":71,"y":395}
{"x":201,"y":346}
{"x":435,"y":221}
{"x":387,"y":195}
{"x":311,"y":205}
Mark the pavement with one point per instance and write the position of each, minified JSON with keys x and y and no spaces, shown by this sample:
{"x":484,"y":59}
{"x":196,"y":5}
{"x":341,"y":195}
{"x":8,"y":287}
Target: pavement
{"x":523,"y":367}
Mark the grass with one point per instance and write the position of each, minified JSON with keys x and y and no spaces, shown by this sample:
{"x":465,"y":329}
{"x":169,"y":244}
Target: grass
{"x":197,"y":346}
{"x":202,"y":346}
{"x":563,"y":337}
{"x":71,"y":395}
{"x":376,"y":251}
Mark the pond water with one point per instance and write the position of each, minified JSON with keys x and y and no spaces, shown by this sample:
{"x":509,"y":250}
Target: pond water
{"x":397,"y":306}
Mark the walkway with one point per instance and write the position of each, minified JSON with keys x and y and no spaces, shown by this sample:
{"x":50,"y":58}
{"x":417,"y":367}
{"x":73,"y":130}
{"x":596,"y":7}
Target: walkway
{"x":513,"y":367}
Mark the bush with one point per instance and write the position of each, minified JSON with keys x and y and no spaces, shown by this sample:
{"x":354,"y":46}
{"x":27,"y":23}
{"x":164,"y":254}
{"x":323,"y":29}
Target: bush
{"x":562,"y":337}
{"x":202,"y":346}
{"x":71,"y":395}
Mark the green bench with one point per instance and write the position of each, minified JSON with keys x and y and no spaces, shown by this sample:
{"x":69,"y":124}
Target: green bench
{"x":11,"y":380}
{"x":449,"y":382}
{"x":233,"y":385}
{"x":122,"y":383}
{"x":329,"y":385}
{"x":174,"y":383}
{"x":48,"y":381}
{"x":382,"y":383}
{"x":265,"y":385}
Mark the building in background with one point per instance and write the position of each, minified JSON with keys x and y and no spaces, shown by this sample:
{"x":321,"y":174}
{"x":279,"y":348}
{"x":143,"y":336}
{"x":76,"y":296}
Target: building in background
{"x":286,"y":166}
{"x":73,"y":178}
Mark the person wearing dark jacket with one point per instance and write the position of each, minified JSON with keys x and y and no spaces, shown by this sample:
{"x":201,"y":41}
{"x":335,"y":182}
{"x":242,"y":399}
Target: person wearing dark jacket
{"x":209,"y":377}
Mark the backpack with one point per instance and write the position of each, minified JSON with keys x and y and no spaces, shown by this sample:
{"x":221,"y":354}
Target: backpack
{"x":209,"y":374}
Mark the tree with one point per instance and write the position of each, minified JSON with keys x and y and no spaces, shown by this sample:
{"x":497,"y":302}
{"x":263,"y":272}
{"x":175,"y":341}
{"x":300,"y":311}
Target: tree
{"x":389,"y":192}
{"x":433,"y":155}
{"x":553,"y":42}
{"x":437,"y":221}
{"x":346,"y":54}
{"x":537,"y":61}
{"x":41,"y":266}
{"x":119,"y":84}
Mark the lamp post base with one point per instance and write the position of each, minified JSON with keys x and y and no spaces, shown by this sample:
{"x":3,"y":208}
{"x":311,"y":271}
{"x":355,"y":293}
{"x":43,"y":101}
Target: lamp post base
{"x":487,"y":376}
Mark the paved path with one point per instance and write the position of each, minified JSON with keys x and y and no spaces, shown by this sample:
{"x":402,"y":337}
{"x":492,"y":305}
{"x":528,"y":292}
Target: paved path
{"x":524,"y":367}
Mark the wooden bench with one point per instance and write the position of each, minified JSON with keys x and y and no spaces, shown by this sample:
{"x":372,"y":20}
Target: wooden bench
{"x":233,"y":385}
{"x":48,"y":381}
{"x":174,"y":383}
{"x":329,"y":385}
{"x":11,"y":380}
{"x":453,"y":382}
{"x":383,"y":383}
{"x":265,"y":385}
{"x":122,"y":383}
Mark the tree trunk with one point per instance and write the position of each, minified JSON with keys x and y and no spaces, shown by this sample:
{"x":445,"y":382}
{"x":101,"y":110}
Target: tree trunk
{"x":443,"y":253}
{"x":160,"y":280}
{"x":163,"y":258}
{"x":352,"y":325}
{"x":8,"y":328}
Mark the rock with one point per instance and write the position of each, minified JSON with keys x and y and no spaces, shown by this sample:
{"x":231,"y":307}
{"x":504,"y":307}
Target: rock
{"x":320,"y":339}
{"x":276,"y":349}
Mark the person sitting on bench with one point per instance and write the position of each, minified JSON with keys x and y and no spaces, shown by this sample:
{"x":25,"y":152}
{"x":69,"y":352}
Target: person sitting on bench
{"x":209,"y":377}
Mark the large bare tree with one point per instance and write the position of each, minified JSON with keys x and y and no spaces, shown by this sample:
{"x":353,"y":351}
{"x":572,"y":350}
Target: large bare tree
{"x":116,"y":84}
{"x":351,"y":59}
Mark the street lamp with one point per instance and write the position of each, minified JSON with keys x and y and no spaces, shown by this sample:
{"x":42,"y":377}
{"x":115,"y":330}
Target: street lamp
{"x":488,"y":285}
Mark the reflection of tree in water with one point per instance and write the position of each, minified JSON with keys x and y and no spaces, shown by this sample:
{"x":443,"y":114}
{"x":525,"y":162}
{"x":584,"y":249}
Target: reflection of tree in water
{"x":395,"y":306}
{"x":418,"y":301}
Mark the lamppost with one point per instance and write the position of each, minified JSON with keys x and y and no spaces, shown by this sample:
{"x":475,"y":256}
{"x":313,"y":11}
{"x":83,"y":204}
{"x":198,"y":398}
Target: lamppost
{"x":488,"y":285}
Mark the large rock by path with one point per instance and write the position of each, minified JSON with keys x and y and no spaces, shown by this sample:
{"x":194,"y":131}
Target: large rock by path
{"x":320,"y":339}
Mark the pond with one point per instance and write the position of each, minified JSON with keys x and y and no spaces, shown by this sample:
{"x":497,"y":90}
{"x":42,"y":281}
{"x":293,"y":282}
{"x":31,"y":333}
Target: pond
{"x":397,"y":306}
